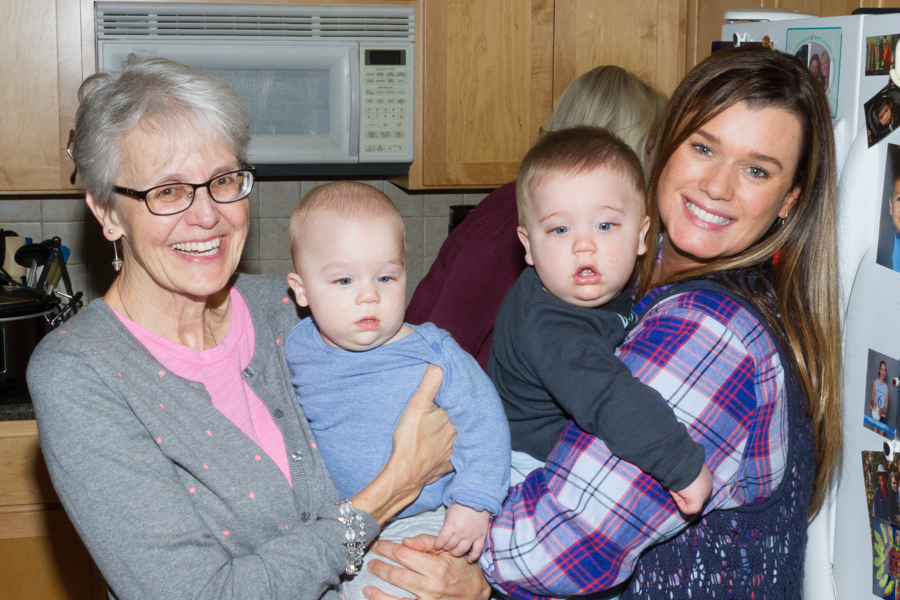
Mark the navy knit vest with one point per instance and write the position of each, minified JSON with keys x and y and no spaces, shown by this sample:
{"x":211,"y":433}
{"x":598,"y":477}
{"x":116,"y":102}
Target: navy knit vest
{"x":752,"y":551}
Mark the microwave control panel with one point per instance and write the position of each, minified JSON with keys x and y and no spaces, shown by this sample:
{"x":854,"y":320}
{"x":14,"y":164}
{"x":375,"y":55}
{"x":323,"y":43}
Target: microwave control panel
{"x":386,"y":88}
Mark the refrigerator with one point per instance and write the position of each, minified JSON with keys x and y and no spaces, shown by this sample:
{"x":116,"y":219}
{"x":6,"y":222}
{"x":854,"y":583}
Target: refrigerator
{"x":853,"y":549}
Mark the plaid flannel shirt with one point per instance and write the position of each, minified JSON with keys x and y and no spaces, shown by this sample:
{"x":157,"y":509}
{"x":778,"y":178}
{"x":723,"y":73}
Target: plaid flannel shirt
{"x":580,"y":524}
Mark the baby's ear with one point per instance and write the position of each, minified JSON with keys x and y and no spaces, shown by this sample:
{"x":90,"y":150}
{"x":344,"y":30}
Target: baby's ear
{"x":523,"y":237}
{"x":642,"y":244}
{"x":296,"y":284}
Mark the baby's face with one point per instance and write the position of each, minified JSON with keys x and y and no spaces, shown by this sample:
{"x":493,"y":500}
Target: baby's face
{"x":583,"y":234}
{"x":884,"y":115}
{"x":352,"y":275}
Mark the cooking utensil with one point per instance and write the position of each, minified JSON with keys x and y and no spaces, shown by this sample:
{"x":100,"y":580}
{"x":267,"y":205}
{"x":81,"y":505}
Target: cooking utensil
{"x":53,"y":274}
{"x":54,"y":259}
{"x":30,"y":253}
{"x":32,"y":256}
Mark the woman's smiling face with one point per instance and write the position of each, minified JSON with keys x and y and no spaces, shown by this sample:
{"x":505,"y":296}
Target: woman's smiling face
{"x":725,"y":186}
{"x":192,"y":253}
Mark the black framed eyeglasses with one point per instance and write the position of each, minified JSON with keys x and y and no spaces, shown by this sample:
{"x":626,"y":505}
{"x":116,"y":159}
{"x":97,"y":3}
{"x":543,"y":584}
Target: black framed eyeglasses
{"x":173,"y":198}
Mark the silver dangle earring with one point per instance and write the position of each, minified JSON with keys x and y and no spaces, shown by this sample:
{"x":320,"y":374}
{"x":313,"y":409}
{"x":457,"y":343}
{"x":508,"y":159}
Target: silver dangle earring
{"x":117,"y":262}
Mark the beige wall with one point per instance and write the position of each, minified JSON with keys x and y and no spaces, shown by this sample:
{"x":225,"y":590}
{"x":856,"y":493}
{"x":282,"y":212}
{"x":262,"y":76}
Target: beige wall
{"x":426,"y":217}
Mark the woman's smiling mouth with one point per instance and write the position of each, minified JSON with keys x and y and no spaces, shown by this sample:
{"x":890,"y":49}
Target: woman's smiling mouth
{"x":704,"y":216}
{"x":207,"y":248}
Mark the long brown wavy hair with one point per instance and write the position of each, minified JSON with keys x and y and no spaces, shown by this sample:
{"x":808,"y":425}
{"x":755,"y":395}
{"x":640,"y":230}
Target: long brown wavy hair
{"x":802,"y":304}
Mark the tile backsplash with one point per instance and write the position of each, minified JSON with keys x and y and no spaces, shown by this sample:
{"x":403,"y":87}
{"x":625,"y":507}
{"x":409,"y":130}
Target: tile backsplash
{"x":426,"y":216}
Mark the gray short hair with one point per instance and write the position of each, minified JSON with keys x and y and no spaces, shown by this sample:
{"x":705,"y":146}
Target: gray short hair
{"x":172,"y":96}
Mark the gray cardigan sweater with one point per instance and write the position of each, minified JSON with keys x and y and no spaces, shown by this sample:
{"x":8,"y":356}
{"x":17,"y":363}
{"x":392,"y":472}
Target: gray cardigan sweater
{"x":169,"y":496}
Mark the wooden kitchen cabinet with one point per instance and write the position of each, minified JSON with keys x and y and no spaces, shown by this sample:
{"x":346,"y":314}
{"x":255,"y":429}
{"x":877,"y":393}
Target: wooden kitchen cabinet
{"x":41,"y":555}
{"x":486,"y":89}
{"x":493,"y":71}
{"x":488,"y":74}
{"x":40,"y":58}
{"x":647,"y":37}
{"x":490,"y":67}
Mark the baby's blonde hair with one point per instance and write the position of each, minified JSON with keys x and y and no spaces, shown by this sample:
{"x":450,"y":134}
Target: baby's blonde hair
{"x":348,"y":199}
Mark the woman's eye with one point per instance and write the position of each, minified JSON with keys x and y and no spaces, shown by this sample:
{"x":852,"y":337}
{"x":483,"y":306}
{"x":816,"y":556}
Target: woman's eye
{"x":560,"y":230}
{"x":702,"y":149}
{"x":605,"y":226}
{"x":344,"y":281}
{"x":758,"y":172}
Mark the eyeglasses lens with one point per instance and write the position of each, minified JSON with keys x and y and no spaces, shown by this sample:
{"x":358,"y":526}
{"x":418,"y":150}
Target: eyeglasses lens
{"x":169,"y":199}
{"x":176,"y":197}
{"x":228,"y":187}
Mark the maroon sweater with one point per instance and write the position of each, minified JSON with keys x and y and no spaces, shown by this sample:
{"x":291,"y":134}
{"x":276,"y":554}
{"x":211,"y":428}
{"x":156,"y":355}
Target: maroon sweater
{"x":478,"y":263}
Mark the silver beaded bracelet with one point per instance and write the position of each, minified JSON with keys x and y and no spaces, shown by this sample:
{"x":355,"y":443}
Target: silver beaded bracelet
{"x":354,"y":540}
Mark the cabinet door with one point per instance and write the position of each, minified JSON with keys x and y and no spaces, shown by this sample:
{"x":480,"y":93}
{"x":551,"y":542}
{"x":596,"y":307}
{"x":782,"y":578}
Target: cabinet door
{"x":42,"y":558}
{"x":646,"y":37}
{"x":41,"y":555}
{"x":40,"y":58}
{"x":488,"y":85}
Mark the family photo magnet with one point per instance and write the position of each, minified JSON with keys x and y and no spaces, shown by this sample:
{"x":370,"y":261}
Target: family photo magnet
{"x":820,"y":49}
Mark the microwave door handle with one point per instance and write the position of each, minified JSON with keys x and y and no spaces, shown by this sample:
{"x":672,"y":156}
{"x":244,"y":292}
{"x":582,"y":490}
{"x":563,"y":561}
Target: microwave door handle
{"x":356,"y":84}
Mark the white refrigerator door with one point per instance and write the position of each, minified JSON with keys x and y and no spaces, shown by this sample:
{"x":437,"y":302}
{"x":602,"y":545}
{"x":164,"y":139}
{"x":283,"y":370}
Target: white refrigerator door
{"x":869,"y":324}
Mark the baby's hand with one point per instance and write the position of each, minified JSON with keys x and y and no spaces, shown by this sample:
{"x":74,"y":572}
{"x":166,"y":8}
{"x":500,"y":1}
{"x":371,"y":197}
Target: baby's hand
{"x":464,"y":531}
{"x":691,"y":499}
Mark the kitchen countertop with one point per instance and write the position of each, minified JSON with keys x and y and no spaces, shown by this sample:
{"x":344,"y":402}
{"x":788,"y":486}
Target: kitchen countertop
{"x":15,"y":405}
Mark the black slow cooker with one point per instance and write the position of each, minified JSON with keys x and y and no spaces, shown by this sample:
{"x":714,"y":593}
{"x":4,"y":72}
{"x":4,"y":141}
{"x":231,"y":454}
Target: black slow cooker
{"x":24,"y":320}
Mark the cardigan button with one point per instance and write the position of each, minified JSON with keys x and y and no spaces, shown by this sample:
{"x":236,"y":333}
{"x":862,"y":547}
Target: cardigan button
{"x":296,"y":456}
{"x":305,"y":517}
{"x":278,"y":413}
{"x":248,"y":373}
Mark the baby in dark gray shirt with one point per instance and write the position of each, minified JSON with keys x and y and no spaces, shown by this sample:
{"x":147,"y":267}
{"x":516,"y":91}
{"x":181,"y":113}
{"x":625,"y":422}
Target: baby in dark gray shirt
{"x":582,"y":215}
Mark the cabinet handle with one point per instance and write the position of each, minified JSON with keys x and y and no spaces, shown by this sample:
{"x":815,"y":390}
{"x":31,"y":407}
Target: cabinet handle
{"x":69,"y":152}
{"x":69,"y":143}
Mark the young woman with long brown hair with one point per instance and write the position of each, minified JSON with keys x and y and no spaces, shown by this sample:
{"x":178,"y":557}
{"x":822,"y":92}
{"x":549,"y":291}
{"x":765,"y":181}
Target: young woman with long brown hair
{"x":739,"y":331}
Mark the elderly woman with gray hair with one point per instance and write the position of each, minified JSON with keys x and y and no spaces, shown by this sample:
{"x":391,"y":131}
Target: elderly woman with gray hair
{"x":165,"y":409}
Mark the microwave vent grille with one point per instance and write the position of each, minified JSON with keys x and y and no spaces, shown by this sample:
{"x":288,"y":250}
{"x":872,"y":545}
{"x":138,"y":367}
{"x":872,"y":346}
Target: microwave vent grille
{"x":133,"y":21}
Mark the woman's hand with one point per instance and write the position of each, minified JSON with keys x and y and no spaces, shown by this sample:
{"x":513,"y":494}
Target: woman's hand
{"x":423,"y":443}
{"x":424,"y":574}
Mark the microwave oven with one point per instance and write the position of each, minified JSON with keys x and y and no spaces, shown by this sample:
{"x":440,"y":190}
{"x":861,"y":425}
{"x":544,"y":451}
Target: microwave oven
{"x":329,"y":87}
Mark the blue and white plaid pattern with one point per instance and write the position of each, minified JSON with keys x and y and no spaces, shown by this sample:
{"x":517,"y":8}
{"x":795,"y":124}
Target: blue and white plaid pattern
{"x":580,"y":524}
